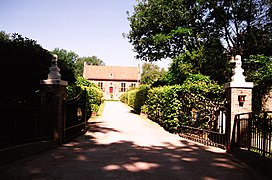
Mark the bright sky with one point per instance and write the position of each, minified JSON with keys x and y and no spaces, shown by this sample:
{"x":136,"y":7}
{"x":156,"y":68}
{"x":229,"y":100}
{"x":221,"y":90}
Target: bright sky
{"x":87,"y":27}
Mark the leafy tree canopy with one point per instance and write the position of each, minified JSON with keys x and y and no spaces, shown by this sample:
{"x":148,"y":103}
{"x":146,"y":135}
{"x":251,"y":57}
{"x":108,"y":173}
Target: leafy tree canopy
{"x":259,"y":70}
{"x":245,"y":25}
{"x":151,"y":73}
{"x":23,"y":64}
{"x":4,"y":35}
{"x":200,"y":34}
{"x":161,"y":29}
{"x":164,"y":28}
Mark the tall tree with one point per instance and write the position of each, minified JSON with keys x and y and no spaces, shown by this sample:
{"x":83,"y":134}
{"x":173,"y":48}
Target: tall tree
{"x":4,"y":35}
{"x":23,"y":64}
{"x":93,"y":60}
{"x":245,"y":25}
{"x":151,"y":73}
{"x":203,"y":30}
{"x":161,"y":29}
{"x":69,"y":57}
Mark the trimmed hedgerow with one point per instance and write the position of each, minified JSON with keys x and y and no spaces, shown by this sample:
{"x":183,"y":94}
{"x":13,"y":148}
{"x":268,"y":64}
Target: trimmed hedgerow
{"x":93,"y":92}
{"x":164,"y":104}
{"x":135,"y":98}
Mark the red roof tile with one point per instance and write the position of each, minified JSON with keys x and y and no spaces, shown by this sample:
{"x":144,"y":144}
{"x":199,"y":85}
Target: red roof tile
{"x":111,"y":73}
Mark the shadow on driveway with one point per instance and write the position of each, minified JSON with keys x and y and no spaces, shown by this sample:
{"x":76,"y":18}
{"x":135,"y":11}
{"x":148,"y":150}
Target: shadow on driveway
{"x":87,"y":158}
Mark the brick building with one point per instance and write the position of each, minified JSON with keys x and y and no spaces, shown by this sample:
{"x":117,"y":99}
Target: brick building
{"x":113,"y":80}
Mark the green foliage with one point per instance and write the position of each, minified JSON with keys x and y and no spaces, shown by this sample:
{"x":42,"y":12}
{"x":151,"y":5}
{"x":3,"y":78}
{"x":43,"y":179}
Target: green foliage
{"x":151,"y":73}
{"x":135,"y":98}
{"x":3,"y":35}
{"x":94,"y":108}
{"x":131,"y":97}
{"x":179,"y":70}
{"x":259,"y":70}
{"x":199,"y":35}
{"x":67,"y":60}
{"x":63,"y":55}
{"x":94,"y":93}
{"x":161,"y":29}
{"x":203,"y":86}
{"x":140,"y":97}
{"x":252,"y":21}
{"x":164,"y":104}
{"x":124,"y":97}
{"x":23,"y":64}
{"x":206,"y":61}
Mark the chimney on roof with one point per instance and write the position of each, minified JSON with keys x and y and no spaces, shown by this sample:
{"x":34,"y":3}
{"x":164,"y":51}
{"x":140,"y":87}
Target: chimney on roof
{"x":85,"y":69}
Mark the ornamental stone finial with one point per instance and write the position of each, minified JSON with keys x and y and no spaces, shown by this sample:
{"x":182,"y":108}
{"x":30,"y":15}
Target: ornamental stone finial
{"x":238,"y":71}
{"x":54,"y":61}
{"x":54,"y":69}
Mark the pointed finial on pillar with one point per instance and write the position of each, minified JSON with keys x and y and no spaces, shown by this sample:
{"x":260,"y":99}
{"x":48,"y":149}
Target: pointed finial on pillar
{"x":54,"y":69}
{"x":238,"y":71}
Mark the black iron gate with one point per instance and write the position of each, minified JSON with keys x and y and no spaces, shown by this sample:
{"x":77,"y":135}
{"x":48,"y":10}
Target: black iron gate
{"x":253,"y":132}
{"x":204,"y":121}
{"x":75,"y":117}
{"x":22,"y":122}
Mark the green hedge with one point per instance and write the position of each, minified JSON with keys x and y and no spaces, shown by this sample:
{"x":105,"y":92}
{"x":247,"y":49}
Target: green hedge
{"x":164,"y":104}
{"x":94,"y":93}
{"x":135,"y":98}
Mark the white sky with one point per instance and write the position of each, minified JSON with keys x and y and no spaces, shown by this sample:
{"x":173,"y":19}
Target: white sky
{"x":87,"y":27}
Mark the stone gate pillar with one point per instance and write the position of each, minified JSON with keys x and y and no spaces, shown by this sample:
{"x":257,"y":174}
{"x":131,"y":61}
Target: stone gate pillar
{"x":238,"y":95}
{"x":53,"y":92}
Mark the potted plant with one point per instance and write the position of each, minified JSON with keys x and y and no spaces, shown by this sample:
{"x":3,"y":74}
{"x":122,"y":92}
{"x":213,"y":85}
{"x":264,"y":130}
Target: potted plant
{"x":94,"y":109}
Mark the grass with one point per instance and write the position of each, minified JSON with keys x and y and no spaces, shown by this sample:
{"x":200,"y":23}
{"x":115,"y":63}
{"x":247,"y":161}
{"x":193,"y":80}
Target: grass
{"x":112,"y":100}
{"x":101,"y":109}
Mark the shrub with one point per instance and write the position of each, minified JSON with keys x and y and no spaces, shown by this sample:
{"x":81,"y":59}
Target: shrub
{"x":93,"y":92}
{"x":164,"y":104}
{"x":140,"y":98}
{"x":135,"y":98}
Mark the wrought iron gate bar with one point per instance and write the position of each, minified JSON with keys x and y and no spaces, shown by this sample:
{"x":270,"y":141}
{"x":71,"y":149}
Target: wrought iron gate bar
{"x":75,"y":117}
{"x":254,"y":132}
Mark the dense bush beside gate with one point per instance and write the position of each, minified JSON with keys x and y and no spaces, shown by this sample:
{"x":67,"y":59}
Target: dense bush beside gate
{"x":94,"y":93}
{"x":23,"y":64}
{"x":135,"y":98}
{"x":164,"y":104}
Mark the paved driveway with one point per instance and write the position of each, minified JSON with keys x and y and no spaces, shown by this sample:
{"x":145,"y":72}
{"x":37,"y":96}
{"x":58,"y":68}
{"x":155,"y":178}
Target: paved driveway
{"x":121,"y":145}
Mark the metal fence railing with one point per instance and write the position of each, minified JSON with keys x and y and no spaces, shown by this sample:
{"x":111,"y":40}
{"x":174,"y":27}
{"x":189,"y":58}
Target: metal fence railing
{"x":23,"y":123}
{"x":253,"y":132}
{"x":204,"y":121}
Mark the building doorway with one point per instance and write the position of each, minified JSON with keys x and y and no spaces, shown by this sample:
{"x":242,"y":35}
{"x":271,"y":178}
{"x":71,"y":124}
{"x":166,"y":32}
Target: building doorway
{"x":111,"y":89}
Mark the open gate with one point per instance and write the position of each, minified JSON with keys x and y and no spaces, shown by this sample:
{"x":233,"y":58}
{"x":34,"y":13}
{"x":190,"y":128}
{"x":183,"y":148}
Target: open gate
{"x":203,"y":121}
{"x":75,"y":117}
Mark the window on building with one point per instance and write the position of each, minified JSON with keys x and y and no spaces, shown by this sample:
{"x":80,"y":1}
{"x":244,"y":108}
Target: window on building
{"x":123,"y":87}
{"x":100,"y":84}
{"x":133,"y":85}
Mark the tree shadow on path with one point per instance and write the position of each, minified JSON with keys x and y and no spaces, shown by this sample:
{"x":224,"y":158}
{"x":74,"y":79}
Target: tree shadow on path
{"x":86,"y":158}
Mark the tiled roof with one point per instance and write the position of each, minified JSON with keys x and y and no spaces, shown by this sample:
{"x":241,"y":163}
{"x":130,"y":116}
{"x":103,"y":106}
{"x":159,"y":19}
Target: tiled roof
{"x":111,"y":73}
